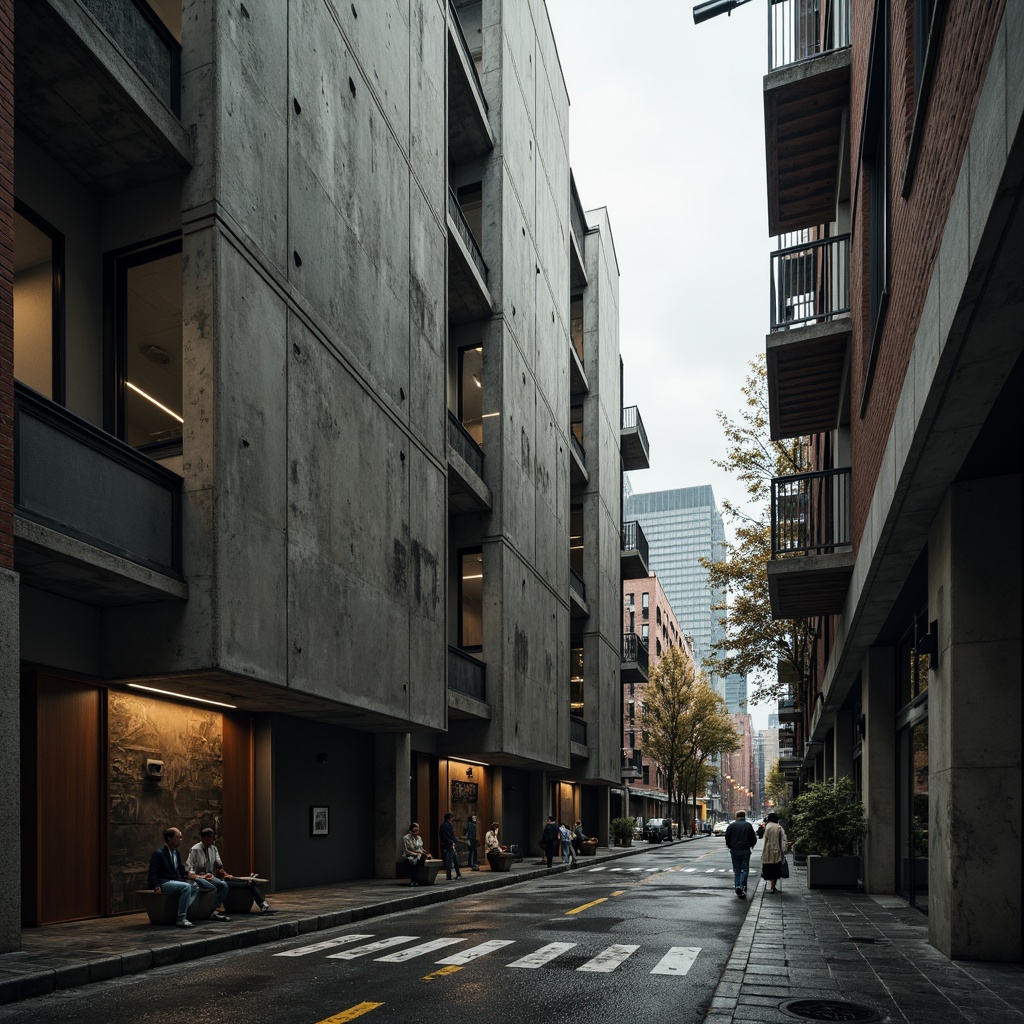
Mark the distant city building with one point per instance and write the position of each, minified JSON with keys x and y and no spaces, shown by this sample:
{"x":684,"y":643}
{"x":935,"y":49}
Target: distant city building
{"x":736,"y":693}
{"x":682,"y":526}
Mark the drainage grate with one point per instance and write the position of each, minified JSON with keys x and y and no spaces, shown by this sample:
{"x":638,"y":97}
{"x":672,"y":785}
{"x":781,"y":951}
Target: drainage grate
{"x":831,"y":1010}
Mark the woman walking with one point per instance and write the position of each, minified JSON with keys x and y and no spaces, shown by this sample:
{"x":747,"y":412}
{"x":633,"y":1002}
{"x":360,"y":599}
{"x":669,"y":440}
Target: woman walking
{"x":775,"y":846}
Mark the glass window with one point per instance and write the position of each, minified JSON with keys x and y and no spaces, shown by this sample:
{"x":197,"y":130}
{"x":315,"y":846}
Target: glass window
{"x":471,"y":392}
{"x":576,"y":681}
{"x":38,"y":272}
{"x":576,"y":324}
{"x":576,"y":540}
{"x":471,"y":599}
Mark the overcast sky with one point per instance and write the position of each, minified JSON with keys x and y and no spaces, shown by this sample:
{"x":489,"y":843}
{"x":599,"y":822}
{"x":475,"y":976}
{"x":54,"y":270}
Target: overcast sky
{"x":666,"y":128}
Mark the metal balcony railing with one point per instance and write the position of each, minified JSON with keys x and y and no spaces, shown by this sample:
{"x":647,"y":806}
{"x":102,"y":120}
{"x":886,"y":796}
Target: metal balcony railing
{"x":787,"y":704}
{"x":801,"y":29}
{"x":577,"y":730}
{"x":466,"y":674}
{"x":811,"y":512}
{"x":634,"y":539}
{"x":466,"y":233}
{"x":634,"y":649}
{"x":467,"y":53}
{"x":576,"y":583}
{"x":632,"y":760}
{"x":631,"y":421}
{"x":462,"y":442}
{"x":810,"y":281}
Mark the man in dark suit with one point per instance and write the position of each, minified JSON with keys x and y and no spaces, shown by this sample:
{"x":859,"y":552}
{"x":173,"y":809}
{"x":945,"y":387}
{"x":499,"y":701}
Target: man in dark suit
{"x":741,"y":838}
{"x":449,"y":852}
{"x":168,"y":873}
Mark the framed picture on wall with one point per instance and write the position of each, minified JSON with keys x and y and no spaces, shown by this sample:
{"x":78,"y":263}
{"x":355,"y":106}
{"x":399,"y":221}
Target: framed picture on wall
{"x":320,"y":818}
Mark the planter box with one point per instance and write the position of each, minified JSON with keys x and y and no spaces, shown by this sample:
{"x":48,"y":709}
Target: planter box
{"x":501,"y":861}
{"x":589,"y":848}
{"x":426,"y":873}
{"x":833,"y":872}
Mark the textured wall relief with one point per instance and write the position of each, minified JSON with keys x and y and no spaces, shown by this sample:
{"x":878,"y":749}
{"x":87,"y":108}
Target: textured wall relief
{"x":188,"y":795}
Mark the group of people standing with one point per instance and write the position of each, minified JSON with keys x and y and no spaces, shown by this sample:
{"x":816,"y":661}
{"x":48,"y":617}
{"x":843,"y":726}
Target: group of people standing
{"x":741,"y":838}
{"x":555,"y":834}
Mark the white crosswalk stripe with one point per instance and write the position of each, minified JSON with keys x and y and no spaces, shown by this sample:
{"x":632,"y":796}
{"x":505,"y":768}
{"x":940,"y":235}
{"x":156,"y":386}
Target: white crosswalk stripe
{"x":326,"y":944}
{"x":678,"y":960}
{"x":542,"y":956}
{"x":414,"y":951}
{"x":689,"y":871}
{"x":598,"y":869}
{"x":373,"y":947}
{"x":608,"y":959}
{"x":710,"y":871}
{"x":469,"y":955}
{"x":652,"y":869}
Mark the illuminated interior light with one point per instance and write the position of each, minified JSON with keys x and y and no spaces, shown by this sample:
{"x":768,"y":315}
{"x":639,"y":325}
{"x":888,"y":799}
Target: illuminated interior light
{"x":150,"y":398}
{"x":182,"y":696}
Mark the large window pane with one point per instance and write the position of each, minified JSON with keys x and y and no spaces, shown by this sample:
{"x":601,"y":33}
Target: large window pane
{"x":471,"y":392}
{"x":576,"y":681}
{"x":34,"y":326}
{"x":471,"y":600}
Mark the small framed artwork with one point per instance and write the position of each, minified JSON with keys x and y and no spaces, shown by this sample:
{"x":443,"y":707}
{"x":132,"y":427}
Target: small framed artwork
{"x":321,"y":821}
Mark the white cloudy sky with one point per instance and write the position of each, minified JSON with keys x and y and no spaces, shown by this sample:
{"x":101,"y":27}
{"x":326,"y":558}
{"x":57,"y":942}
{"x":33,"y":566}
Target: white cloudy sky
{"x":667,"y":131}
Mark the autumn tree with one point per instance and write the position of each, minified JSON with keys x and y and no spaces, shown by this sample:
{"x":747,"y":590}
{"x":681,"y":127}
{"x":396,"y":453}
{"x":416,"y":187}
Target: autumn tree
{"x":776,"y":788}
{"x":755,"y":642}
{"x":711,"y":732}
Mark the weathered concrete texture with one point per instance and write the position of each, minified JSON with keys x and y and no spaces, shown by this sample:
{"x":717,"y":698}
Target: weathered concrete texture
{"x":10,"y":767}
{"x":391,"y":780}
{"x":878,"y":765}
{"x":974,"y":695}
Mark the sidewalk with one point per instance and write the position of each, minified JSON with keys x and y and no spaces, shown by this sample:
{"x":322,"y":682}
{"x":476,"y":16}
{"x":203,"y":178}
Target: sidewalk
{"x":844,"y":947}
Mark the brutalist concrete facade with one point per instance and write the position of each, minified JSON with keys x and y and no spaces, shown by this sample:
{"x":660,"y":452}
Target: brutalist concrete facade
{"x":289,"y":549}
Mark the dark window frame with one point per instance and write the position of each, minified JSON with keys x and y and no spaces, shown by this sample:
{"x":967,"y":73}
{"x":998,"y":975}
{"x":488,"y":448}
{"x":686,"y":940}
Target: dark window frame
{"x":459,"y":555}
{"x":929,"y":21}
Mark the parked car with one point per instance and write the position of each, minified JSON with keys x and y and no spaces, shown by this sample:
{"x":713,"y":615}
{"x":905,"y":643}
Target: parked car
{"x":657,"y":829}
{"x":720,"y":827}
{"x":638,"y":828}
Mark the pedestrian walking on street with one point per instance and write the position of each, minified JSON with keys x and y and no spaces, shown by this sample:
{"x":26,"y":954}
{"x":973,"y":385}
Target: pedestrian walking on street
{"x":412,"y":850}
{"x":549,"y":838}
{"x":449,"y":853}
{"x":568,"y":853}
{"x":471,"y":842}
{"x":775,"y":846}
{"x":741,"y":838}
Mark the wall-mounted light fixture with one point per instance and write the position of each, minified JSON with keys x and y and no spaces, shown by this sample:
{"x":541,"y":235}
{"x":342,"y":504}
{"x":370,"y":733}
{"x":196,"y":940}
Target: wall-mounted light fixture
{"x":929,"y":644}
{"x":469,"y":773}
{"x":154,"y":770}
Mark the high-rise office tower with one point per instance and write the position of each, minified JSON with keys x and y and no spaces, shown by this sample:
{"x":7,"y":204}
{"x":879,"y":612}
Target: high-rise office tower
{"x":736,"y":692}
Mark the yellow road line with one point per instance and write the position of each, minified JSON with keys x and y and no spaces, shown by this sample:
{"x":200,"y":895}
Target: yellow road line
{"x":619,"y":892}
{"x":450,"y":969}
{"x":351,"y":1013}
{"x":587,"y":906}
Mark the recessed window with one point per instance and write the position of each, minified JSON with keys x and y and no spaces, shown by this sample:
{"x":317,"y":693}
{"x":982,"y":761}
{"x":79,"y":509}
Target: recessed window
{"x":576,"y":681}
{"x":471,"y":392}
{"x":576,"y":540}
{"x":471,"y":599}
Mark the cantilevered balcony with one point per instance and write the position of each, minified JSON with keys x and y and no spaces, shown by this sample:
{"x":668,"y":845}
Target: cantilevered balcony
{"x":806,"y":92}
{"x":469,"y":131}
{"x":635,"y":552}
{"x":577,"y":731}
{"x":808,"y":349}
{"x":467,"y":491}
{"x":636,"y":452}
{"x":95,"y":521}
{"x":468,"y":296}
{"x":788,"y":710}
{"x":632,"y":763}
{"x":578,"y":607}
{"x":98,"y":87}
{"x":577,"y":252}
{"x":577,"y":460}
{"x":634,"y":659}
{"x":467,"y":686}
{"x":812,"y":557}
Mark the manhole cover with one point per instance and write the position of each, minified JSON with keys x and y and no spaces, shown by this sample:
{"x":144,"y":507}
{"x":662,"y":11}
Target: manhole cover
{"x":831,"y":1009}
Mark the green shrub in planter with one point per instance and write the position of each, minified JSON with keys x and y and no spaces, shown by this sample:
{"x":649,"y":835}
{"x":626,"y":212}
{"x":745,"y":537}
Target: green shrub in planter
{"x":622,"y":830}
{"x":826,"y":818}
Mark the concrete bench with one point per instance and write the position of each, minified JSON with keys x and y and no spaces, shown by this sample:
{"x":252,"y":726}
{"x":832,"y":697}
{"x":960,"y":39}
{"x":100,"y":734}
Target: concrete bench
{"x":239,"y":898}
{"x":162,"y":907}
{"x":501,"y":861}
{"x":426,"y":874}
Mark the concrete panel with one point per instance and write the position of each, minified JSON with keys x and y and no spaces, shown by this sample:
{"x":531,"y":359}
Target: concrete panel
{"x":1013,"y":35}
{"x":953,"y":256}
{"x":517,"y":139}
{"x":427,"y":86}
{"x":927,"y":352}
{"x":10,"y":760}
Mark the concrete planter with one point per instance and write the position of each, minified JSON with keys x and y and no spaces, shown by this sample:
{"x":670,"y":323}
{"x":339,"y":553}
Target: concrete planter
{"x":833,"y":872}
{"x":588,"y":848}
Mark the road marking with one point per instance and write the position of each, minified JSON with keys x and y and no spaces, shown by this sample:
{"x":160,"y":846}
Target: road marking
{"x":710,"y":871}
{"x":619,"y":892}
{"x":351,"y":954}
{"x":326,"y":944}
{"x":689,"y":871}
{"x":598,"y":869}
{"x":351,"y":1013}
{"x":451,"y":969}
{"x":607,"y":960}
{"x":678,"y":960}
{"x":468,"y":955}
{"x":414,"y":951}
{"x":542,"y":956}
{"x":616,"y":869}
{"x":587,"y":906}
{"x":653,"y":869}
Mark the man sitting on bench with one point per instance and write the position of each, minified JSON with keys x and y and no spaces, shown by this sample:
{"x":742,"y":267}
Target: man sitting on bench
{"x":204,"y":860}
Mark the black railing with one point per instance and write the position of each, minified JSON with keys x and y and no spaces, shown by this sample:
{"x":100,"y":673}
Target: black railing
{"x":632,"y":761}
{"x":787,"y":704}
{"x":576,"y":583}
{"x":577,"y":730}
{"x":463,"y":443}
{"x":634,"y":539}
{"x":797,"y":30}
{"x":466,"y":233}
{"x":631,"y":421}
{"x":466,"y":674}
{"x":810,"y":281}
{"x":811,"y":512}
{"x":145,"y":40}
{"x":634,"y":648}
{"x":464,"y":44}
{"x":577,"y":218}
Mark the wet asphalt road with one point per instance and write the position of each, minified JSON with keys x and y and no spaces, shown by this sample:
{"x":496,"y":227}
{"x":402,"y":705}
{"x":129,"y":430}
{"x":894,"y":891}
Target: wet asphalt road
{"x":642,"y":938}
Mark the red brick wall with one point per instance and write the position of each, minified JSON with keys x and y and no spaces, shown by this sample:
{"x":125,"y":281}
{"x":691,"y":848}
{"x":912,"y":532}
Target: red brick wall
{"x":916,"y":222}
{"x":6,"y":283}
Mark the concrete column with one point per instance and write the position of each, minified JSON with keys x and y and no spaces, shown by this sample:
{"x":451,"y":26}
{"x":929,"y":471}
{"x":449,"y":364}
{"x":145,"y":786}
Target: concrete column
{"x":10,"y":761}
{"x":878,"y":766}
{"x":842,"y":751}
{"x":603,"y":832}
{"x":497,"y":800}
{"x":391,"y":799}
{"x":974,"y":722}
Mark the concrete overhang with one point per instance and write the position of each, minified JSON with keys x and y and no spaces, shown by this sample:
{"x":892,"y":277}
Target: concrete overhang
{"x":580,"y":750}
{"x":462,"y":706}
{"x":807,"y":369}
{"x":578,"y":384}
{"x":466,"y":491}
{"x":803,"y":121}
{"x":468,"y":296}
{"x":469,"y":130}
{"x":577,"y":264}
{"x":635,"y":453}
{"x":87,"y":106}
{"x":805,"y":586}
{"x":633,"y":672}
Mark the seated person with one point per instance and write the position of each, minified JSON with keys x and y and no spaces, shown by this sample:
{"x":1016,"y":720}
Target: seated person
{"x":413,"y":852}
{"x":204,"y":860}
{"x":491,"y":844}
{"x":167,"y":873}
